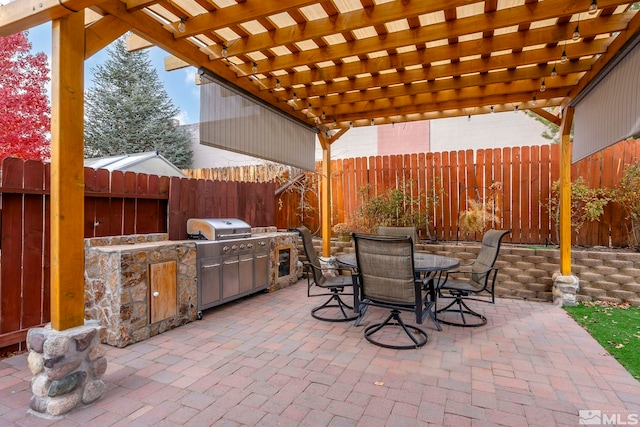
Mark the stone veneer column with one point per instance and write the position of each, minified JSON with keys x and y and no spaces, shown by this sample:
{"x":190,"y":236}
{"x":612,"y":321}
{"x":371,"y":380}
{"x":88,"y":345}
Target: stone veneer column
{"x":67,"y":367}
{"x":565,"y":290}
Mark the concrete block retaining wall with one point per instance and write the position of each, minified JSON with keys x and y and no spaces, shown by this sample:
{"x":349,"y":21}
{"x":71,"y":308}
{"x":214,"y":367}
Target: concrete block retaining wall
{"x":609,"y":275}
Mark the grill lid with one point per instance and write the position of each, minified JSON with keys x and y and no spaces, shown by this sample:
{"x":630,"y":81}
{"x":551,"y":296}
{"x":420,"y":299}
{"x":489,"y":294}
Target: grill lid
{"x":217,"y":228}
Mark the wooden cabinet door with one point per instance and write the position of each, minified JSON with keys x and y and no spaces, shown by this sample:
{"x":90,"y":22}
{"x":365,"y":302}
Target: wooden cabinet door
{"x":163,"y":291}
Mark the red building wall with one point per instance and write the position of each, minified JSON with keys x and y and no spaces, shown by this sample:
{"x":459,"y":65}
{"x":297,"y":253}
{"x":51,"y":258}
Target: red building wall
{"x":404,"y":138}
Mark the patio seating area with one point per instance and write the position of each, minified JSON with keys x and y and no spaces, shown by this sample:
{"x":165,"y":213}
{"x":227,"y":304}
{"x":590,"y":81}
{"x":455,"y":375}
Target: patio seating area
{"x":263,"y":360}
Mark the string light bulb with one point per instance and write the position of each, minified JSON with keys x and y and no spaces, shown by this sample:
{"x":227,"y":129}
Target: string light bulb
{"x":543,"y":86}
{"x":254,"y":68}
{"x":278,"y":86}
{"x":324,"y":116}
{"x":576,"y":34}
{"x":535,"y":100}
{"x":295,"y":97}
{"x":225,"y":53}
{"x":372,"y":122}
{"x":491,"y":109}
{"x":350,"y":125}
{"x":515,"y":108}
{"x":564,"y":58}
{"x":181,"y":26}
{"x":554,"y":73}
{"x":593,"y":7}
{"x":469,"y":118}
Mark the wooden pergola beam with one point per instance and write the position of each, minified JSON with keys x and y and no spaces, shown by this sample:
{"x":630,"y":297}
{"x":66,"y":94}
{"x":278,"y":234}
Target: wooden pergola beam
{"x":326,"y":194}
{"x":67,"y":172}
{"x":547,"y":115}
{"x":24,"y":14}
{"x":102,"y":32}
{"x":565,"y":191}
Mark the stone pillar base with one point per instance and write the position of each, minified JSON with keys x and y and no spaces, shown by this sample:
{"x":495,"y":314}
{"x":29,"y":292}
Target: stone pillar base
{"x":565,"y":290}
{"x":329,"y":266}
{"x":67,"y":368}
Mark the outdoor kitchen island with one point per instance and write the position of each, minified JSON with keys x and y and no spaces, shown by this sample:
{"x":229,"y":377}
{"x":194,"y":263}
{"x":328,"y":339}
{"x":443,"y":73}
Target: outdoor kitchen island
{"x":139,"y":286}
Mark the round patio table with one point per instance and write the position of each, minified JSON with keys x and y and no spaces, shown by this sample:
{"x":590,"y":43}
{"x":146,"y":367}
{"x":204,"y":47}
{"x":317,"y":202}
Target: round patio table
{"x":424,"y":265}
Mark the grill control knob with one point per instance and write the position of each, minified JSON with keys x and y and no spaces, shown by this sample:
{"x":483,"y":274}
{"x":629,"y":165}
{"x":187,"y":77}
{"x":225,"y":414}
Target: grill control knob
{"x":261,"y":243}
{"x":234,"y":248}
{"x":225,"y":249}
{"x":242,"y":246}
{"x":249,"y":245}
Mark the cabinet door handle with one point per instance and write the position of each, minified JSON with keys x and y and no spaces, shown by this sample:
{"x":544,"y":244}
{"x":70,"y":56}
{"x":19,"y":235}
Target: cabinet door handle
{"x":156,"y":294}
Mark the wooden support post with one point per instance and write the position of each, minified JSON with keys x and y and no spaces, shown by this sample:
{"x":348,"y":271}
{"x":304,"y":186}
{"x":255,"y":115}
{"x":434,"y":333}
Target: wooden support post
{"x":565,"y":191}
{"x":326,"y":194}
{"x":67,"y":172}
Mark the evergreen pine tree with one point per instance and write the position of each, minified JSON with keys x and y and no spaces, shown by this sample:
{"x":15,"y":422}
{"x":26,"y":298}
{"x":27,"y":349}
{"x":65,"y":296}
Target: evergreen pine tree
{"x":128,"y":111}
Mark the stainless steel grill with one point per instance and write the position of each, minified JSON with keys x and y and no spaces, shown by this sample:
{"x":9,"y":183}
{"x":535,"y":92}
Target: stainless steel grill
{"x":231,"y":261}
{"x":217,"y":228}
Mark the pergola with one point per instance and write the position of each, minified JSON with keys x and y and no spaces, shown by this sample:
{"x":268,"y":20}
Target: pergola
{"x":333,"y":64}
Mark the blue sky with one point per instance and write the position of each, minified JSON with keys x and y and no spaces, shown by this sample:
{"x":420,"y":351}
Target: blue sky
{"x":179,"y":84}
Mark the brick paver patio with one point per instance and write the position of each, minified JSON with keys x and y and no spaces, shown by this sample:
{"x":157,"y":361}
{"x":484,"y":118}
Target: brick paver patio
{"x":265,"y":361}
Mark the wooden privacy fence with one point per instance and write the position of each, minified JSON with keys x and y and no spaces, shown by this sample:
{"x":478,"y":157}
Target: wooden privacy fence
{"x":116,"y":203}
{"x":526,"y":173}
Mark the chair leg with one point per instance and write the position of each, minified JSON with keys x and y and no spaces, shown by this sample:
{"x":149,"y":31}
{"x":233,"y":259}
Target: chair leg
{"x":461,"y":309}
{"x":340,"y":304}
{"x":410,"y":330}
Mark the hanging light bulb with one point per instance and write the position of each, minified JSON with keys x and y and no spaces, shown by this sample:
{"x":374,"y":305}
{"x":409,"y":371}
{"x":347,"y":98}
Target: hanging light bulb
{"x":181,"y":27}
{"x":563,"y":58}
{"x":224,"y":52}
{"x":543,"y":86}
{"x":324,"y":116}
{"x":350,"y":125}
{"x":469,"y":118}
{"x":491,"y":109}
{"x":295,"y":97}
{"x":393,"y":124}
{"x":515,"y":108}
{"x":593,"y":7}
{"x":372,"y":122}
{"x":576,"y":33}
{"x":254,"y":68}
{"x":535,"y":100}
{"x":278,"y":84}
{"x":554,"y":73}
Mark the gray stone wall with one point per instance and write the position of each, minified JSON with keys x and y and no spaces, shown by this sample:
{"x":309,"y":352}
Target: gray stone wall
{"x":608,"y":275}
{"x":117,"y":285}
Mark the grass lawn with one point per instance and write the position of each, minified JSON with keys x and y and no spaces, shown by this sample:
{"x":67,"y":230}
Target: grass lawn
{"x":616,"y":327}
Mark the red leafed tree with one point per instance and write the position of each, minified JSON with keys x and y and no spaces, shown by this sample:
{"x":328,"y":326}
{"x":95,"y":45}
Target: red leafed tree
{"x":25,"y":114}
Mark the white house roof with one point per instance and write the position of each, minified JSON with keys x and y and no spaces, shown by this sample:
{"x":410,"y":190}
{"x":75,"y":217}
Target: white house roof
{"x":150,"y":162}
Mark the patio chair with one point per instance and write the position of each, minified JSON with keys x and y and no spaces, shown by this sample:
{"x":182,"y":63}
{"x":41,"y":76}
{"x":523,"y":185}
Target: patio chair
{"x":386,"y":279}
{"x":399,"y":231}
{"x":471,"y":283}
{"x":333,"y":286}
